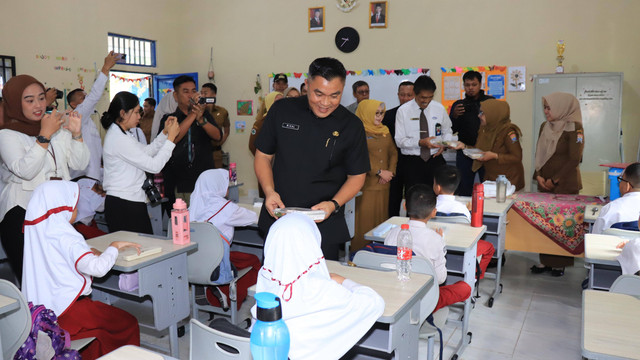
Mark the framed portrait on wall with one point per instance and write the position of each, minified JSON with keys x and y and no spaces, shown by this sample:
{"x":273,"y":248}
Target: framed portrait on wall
{"x":316,"y":19}
{"x":379,"y":14}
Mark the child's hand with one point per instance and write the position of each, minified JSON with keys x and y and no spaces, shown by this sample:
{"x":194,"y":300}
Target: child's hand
{"x":337,"y":278}
{"x":622,"y":244}
{"x":439,"y":231}
{"x":125,"y":244}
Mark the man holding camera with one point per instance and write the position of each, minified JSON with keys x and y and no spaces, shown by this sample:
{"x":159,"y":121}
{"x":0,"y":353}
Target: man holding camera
{"x":193,"y":152}
{"x":221,"y":117}
{"x":465,"y":121}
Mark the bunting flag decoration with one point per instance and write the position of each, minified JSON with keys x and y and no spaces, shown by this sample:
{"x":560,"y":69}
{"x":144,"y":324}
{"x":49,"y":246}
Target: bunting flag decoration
{"x":297,"y":75}
{"x":123,"y":79}
{"x":370,"y":72}
{"x":398,"y":72}
{"x":358,"y":72}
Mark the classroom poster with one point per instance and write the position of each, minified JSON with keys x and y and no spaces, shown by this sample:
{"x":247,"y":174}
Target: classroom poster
{"x":240,"y":125}
{"x":493,"y":83}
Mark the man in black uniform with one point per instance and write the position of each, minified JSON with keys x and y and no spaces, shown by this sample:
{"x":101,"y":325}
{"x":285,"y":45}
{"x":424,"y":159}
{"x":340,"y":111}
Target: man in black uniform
{"x":405,"y":94}
{"x":193,"y":153}
{"x":465,"y":121}
{"x":312,"y":153}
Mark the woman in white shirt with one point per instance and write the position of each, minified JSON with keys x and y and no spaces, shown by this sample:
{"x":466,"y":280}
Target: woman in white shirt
{"x":34,"y":147}
{"x":126,"y":160}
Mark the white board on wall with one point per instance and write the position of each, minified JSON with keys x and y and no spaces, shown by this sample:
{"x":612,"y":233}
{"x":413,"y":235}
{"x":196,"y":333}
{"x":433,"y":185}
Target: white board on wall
{"x":381,"y":87}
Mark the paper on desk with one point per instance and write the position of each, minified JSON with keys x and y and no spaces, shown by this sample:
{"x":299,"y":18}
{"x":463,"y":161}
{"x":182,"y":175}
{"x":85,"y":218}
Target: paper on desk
{"x":382,"y":229}
{"x":132,"y":254}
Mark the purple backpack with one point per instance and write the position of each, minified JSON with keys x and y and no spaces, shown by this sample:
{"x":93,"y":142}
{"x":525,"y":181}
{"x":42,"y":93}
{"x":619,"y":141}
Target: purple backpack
{"x":45,"y":320}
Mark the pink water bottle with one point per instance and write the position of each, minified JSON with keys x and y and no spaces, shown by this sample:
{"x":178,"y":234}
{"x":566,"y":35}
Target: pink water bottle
{"x":233,"y":175}
{"x":180,"y":223}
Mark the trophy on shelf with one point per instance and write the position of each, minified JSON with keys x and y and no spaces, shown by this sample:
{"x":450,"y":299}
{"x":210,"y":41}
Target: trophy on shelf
{"x":560,"y":49}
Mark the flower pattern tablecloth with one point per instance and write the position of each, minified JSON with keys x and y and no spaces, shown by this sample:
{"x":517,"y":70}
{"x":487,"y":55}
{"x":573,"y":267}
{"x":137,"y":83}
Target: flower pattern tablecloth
{"x":560,"y":217}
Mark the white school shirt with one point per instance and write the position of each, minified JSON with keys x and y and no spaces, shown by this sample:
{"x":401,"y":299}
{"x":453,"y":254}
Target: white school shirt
{"x":427,"y":244}
{"x":449,"y":205}
{"x":24,"y":164}
{"x":90,"y":133}
{"x":126,"y":160}
{"x":408,"y":125}
{"x":622,"y":209}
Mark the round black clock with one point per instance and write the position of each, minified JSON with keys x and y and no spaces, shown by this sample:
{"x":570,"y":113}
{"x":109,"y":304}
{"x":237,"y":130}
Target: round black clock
{"x":347,"y":39}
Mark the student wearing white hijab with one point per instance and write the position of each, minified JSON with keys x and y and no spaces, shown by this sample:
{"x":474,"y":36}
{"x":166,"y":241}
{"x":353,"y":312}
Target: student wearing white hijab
{"x":326,"y":314}
{"x":208,"y":204}
{"x":58,"y":266}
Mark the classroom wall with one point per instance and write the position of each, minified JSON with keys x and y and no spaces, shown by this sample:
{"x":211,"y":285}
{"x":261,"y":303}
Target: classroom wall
{"x":261,"y":37}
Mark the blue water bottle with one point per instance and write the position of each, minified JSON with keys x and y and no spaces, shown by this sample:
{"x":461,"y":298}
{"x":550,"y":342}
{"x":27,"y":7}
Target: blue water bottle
{"x":270,"y":335}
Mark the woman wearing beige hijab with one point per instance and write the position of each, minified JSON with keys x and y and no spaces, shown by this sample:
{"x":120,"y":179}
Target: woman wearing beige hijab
{"x":560,"y":145}
{"x":558,"y":156}
{"x":262,"y":114}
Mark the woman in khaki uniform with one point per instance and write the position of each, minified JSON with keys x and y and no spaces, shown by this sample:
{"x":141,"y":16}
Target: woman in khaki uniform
{"x":558,"y":156}
{"x":372,"y":207}
{"x":500,"y":141}
{"x":262,"y":114}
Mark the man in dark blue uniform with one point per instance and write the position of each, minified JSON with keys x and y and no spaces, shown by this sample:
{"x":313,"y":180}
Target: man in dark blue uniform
{"x":312,"y":153}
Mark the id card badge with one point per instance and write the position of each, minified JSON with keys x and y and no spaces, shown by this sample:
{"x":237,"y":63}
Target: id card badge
{"x":438,"y":129}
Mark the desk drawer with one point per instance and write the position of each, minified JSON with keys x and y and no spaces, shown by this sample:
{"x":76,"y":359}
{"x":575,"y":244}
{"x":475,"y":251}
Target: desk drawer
{"x":492,"y":223}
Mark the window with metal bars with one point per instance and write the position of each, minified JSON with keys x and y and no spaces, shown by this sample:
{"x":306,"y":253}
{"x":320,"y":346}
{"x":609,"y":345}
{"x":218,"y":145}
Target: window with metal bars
{"x":138,"y":51}
{"x":7,"y":69}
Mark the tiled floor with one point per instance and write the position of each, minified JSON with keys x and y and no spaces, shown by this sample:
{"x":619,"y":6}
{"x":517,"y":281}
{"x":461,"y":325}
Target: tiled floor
{"x":536,"y":317}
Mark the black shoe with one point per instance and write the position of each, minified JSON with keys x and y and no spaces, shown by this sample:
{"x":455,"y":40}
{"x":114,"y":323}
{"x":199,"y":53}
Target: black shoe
{"x":539,"y":270}
{"x":557,"y":272}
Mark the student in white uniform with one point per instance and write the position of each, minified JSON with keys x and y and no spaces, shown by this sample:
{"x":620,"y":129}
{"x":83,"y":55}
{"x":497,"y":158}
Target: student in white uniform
{"x":625,"y":208}
{"x":126,"y":160}
{"x":58,"y":271}
{"x":445,"y":183}
{"x":629,"y":258}
{"x":326,"y":314}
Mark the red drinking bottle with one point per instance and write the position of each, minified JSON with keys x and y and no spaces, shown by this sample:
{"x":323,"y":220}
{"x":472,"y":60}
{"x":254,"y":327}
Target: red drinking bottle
{"x":477,"y":205}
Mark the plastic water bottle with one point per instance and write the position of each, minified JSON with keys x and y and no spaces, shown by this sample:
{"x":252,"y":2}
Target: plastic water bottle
{"x":180,"y":226}
{"x":233,"y":175}
{"x":270,"y":335}
{"x":477,"y":205}
{"x":405,"y":249}
{"x":501,"y":189}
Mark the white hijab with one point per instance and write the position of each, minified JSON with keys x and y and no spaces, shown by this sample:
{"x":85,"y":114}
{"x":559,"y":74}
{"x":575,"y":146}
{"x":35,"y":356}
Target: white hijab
{"x":167,"y":105}
{"x":629,"y":259}
{"x":208,"y":199}
{"x":325,"y":319}
{"x":52,"y":247}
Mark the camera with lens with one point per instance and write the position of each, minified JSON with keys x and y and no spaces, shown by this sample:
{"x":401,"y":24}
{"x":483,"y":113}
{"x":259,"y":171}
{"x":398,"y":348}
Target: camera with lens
{"x":207,"y":100}
{"x":151,"y":190}
{"x":59,"y":93}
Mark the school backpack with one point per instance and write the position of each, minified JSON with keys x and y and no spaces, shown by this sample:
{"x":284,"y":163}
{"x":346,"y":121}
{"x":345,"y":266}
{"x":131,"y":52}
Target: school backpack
{"x":47,"y":338}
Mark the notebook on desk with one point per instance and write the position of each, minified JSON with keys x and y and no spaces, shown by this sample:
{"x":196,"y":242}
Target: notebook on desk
{"x":132,"y":254}
{"x":382,"y":229}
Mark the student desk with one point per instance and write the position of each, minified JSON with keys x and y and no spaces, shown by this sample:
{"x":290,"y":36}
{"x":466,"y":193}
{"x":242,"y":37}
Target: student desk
{"x":129,"y":352}
{"x":7,"y":304}
{"x":495,"y":218}
{"x":162,"y":299}
{"x":397,"y":329}
{"x":461,"y":242}
{"x":610,"y":325}
{"x":591,"y":213}
{"x":600,"y":253}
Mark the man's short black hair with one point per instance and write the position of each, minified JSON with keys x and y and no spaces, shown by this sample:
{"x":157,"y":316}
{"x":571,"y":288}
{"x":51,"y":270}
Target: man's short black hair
{"x":151,"y":102}
{"x":357,"y":84}
{"x":181,"y":80}
{"x":470,"y":75}
{"x":328,"y":68}
{"x":405,"y":83}
{"x":303,"y":85}
{"x":424,"y":83}
{"x":420,"y":201}
{"x":632,"y":175}
{"x":211,"y":87}
{"x":448,"y":177}
{"x":72,"y":94}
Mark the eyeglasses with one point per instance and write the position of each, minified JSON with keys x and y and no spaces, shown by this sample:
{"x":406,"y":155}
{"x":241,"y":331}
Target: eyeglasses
{"x":379,"y":113}
{"x":620,"y":180}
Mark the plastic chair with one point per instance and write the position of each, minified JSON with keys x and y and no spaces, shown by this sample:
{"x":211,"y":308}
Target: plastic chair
{"x":208,"y":343}
{"x":622,"y":233}
{"x":15,"y":325}
{"x":201,"y":265}
{"x":429,"y":301}
{"x":626,"y":284}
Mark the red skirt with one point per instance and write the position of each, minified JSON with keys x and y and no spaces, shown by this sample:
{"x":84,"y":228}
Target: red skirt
{"x":112,"y":327}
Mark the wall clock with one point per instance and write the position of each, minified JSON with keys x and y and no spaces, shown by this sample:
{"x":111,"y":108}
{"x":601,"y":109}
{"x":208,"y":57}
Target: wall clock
{"x":347,"y":39}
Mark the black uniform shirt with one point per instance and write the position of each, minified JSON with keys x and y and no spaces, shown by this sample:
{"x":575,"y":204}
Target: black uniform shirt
{"x":467,"y":124}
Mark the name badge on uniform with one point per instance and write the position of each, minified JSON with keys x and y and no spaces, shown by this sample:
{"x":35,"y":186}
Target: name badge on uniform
{"x":580,"y":138}
{"x":438,"y":129}
{"x":290,"y":126}
{"x":414,"y":119}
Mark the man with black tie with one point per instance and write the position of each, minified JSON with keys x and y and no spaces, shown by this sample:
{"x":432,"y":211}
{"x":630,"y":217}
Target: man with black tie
{"x":378,"y":16}
{"x":316,"y":20}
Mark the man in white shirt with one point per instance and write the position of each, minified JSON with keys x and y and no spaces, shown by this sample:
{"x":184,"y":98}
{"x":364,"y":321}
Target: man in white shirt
{"x":625,"y":208}
{"x":418,"y":122}
{"x":360,"y":92}
{"x":428,"y":243}
{"x":85,"y":105}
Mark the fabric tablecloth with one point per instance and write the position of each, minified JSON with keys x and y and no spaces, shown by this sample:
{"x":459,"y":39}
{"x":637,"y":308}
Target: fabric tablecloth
{"x":560,"y":217}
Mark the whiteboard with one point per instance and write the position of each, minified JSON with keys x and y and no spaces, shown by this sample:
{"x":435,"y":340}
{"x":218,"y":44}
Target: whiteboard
{"x":382,"y":87}
{"x":600,"y":97}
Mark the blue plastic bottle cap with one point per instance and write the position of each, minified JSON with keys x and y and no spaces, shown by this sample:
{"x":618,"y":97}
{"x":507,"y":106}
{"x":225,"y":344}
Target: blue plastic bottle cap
{"x":267,"y":300}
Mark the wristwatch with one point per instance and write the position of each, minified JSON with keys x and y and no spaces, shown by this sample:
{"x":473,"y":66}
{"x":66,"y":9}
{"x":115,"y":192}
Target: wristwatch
{"x":42,"y":140}
{"x":335,"y":203}
{"x":379,"y":171}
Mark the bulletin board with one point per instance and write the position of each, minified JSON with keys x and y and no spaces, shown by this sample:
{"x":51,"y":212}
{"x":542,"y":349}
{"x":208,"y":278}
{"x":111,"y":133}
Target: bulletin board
{"x":493,"y":83}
